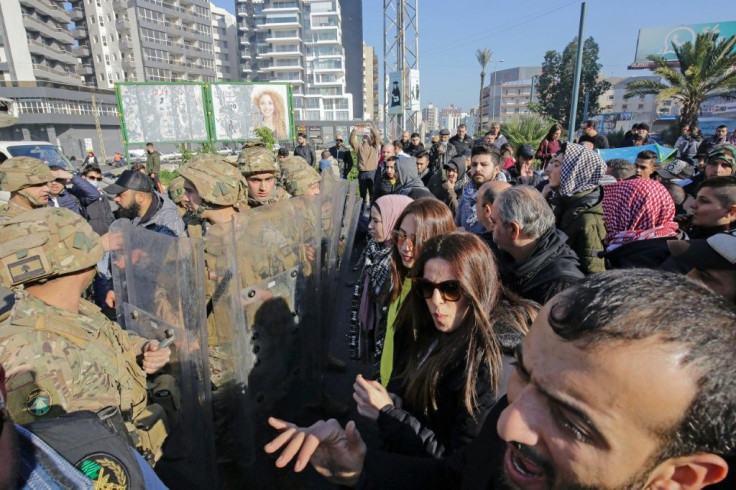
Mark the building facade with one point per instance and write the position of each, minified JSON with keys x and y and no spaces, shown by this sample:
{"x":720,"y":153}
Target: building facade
{"x":225,"y":40}
{"x":370,"y":84}
{"x":509,"y":93}
{"x":431,"y":118}
{"x":300,"y":42}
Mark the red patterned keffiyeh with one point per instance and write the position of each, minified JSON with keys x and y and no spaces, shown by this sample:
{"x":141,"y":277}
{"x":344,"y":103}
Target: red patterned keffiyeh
{"x":637,"y":209}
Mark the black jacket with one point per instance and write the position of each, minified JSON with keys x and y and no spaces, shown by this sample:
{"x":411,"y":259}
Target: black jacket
{"x":412,"y":150}
{"x":516,"y":178}
{"x":99,"y":215}
{"x":461,"y":145}
{"x":344,"y":158}
{"x":476,"y":467}
{"x":646,"y":254}
{"x":307,"y":153}
{"x":550,"y":268}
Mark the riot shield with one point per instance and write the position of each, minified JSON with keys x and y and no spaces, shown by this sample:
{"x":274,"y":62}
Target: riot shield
{"x":353,"y":206}
{"x":333,"y":191}
{"x":268,"y":283}
{"x":159,"y":289}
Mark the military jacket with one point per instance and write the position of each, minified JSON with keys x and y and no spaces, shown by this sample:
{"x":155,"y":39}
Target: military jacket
{"x":58,"y":361}
{"x":11,"y":210}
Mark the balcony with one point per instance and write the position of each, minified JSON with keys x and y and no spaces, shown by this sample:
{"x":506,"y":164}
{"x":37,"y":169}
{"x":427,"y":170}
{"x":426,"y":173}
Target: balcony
{"x":79,"y":33}
{"x":44,"y":72}
{"x":122,"y":24}
{"x":85,"y":69}
{"x":33,"y":24}
{"x":46,"y":8}
{"x":81,"y":51}
{"x":76,"y":14}
{"x":125,"y":44}
{"x":128,"y":64}
{"x":40,"y":49}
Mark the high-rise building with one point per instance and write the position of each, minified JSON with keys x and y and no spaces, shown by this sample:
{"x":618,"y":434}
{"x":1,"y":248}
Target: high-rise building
{"x":449,"y":117}
{"x":163,"y":41}
{"x":352,"y":42}
{"x":509,"y":93}
{"x":300,"y":42}
{"x":36,"y":42}
{"x":370,"y":84}
{"x":431,"y":118}
{"x":225,"y":37}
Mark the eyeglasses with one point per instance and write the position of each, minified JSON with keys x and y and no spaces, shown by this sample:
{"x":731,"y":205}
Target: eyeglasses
{"x":449,"y":290}
{"x":401,"y":236}
{"x":94,"y":178}
{"x":339,"y":141}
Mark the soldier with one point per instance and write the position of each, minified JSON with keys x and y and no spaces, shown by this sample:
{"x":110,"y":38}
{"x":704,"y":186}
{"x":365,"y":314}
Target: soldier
{"x":62,"y":354}
{"x":27,"y":180}
{"x":259,"y":168}
{"x":302,"y":181}
{"x":176,"y":192}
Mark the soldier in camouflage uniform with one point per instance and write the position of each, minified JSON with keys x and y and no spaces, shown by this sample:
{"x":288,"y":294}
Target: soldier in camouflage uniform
{"x":60,"y":352}
{"x":258,"y":166}
{"x":302,"y":181}
{"x":26,"y":179}
{"x":176,"y":191}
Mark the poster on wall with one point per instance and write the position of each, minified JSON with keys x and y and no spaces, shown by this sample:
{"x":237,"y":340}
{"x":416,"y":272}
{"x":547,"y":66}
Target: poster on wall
{"x":414,"y":87}
{"x":395,"y":93}
{"x":161,"y":113}
{"x":239,"y":109}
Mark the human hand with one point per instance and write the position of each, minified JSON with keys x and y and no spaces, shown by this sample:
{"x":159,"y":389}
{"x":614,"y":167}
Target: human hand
{"x":371,"y":397}
{"x":110,"y":299}
{"x":61,"y":174}
{"x":336,"y":454}
{"x":441,"y":149}
{"x":154,"y":358}
{"x":546,"y":191}
{"x":452,"y":179}
{"x":112,"y":240}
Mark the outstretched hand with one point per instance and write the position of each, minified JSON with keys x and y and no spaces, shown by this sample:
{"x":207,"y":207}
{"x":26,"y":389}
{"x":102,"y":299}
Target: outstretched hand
{"x":370,"y":396}
{"x":335,"y":453}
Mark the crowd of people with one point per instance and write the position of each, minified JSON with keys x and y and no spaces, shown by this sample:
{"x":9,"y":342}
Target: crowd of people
{"x":571,"y":328}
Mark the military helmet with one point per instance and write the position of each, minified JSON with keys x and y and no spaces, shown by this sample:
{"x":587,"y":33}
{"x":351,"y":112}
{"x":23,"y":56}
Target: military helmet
{"x":297,"y":181}
{"x":176,"y":189}
{"x":46,"y":242}
{"x":257,"y":160}
{"x":20,"y":172}
{"x":291,"y":164}
{"x":217,"y":181}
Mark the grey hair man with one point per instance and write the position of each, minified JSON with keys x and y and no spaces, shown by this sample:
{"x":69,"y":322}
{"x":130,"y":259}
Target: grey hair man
{"x":535,"y":262}
{"x":620,"y":169}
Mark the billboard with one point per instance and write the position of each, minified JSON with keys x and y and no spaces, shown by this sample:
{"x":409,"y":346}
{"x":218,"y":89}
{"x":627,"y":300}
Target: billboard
{"x":162,"y":112}
{"x":395,"y":93}
{"x":414,"y":88}
{"x":659,"y":40}
{"x":238,"y":109}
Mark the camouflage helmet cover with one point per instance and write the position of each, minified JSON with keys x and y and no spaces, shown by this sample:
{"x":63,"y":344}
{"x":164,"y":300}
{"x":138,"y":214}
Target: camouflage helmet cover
{"x":297,"y":181}
{"x":291,"y":164}
{"x":257,"y":160}
{"x":176,"y":189}
{"x":46,"y":242}
{"x":20,"y":172}
{"x":724,"y":152}
{"x":217,"y":181}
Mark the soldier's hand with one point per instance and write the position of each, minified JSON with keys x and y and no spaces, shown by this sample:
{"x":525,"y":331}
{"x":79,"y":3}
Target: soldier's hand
{"x":61,"y":174}
{"x":371,"y":397}
{"x":110,"y":299}
{"x":154,"y":358}
{"x":336,"y":454}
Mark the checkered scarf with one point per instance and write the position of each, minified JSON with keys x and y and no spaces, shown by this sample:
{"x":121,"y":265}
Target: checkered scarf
{"x":637,"y":209}
{"x":582,"y":168}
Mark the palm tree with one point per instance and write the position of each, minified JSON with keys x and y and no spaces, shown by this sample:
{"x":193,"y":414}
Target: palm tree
{"x":704,"y":73}
{"x":484,"y":57}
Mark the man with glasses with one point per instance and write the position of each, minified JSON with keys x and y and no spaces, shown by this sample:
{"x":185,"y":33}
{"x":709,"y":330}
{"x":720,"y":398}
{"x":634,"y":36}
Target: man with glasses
{"x":342,"y":154}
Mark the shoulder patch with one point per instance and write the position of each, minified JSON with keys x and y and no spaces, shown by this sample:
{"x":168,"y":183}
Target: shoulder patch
{"x":38,"y":402}
{"x":105,"y":470}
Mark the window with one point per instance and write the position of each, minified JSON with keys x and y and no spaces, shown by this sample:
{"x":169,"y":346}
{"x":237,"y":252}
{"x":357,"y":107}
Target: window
{"x":641,"y":106}
{"x":107,"y":59}
{"x":102,"y":21}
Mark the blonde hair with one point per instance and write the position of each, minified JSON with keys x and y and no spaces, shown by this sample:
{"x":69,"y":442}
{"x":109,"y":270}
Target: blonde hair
{"x":279,"y":111}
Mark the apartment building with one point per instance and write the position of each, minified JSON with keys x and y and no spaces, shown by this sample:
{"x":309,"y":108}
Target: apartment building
{"x":300,"y":42}
{"x":431,"y":118}
{"x":370,"y":84}
{"x":225,"y":38}
{"x":508,"y":93}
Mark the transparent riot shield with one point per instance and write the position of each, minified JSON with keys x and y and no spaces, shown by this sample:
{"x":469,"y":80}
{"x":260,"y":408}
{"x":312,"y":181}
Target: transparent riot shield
{"x":159,"y":289}
{"x":267,"y":316}
{"x":353,"y":206}
{"x":333,"y":191}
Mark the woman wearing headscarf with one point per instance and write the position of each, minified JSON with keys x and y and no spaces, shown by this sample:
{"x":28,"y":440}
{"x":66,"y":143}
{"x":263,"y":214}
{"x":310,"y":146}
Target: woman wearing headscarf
{"x":639,"y":217}
{"x":372,"y":291}
{"x":574,"y":174}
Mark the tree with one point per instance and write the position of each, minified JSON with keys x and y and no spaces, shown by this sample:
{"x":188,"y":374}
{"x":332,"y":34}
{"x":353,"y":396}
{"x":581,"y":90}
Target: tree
{"x":265,"y":136}
{"x":556,"y":82}
{"x":704,"y":73}
{"x":484,"y":57}
{"x":527,"y":129}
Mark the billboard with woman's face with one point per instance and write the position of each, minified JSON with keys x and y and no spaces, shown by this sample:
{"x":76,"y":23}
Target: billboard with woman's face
{"x":239,"y":109}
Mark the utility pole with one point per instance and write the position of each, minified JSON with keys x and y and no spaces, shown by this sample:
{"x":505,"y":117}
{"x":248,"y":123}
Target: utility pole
{"x":576,"y":83}
{"x":98,"y":128}
{"x":400,"y":54}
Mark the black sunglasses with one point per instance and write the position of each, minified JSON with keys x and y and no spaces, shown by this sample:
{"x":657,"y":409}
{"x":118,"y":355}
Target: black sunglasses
{"x":449,"y":290}
{"x":94,"y":178}
{"x":339,"y":141}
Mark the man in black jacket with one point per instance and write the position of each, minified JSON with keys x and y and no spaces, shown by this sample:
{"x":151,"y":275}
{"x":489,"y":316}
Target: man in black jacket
{"x":462,"y":140}
{"x":342,"y":154}
{"x":304,"y":149}
{"x":623,"y":381}
{"x":536,"y":263}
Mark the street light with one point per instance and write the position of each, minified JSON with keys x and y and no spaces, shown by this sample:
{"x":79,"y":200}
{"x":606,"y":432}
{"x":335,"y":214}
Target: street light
{"x":493,"y":97}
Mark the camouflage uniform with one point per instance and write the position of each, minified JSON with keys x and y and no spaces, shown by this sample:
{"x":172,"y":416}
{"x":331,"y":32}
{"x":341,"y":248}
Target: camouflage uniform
{"x":260,"y":160}
{"x":299,"y":180}
{"x":16,"y":174}
{"x":59,"y":361}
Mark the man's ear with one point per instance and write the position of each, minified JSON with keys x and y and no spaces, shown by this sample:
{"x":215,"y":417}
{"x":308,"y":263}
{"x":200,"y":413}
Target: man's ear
{"x":689,"y":472}
{"x":515,"y":230}
{"x":487,"y":209}
{"x":731,"y":213}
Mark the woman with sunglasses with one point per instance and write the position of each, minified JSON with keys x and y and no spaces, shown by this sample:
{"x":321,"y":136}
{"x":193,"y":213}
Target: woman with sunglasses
{"x":457,"y":323}
{"x":368,"y":309}
{"x":420,"y":221}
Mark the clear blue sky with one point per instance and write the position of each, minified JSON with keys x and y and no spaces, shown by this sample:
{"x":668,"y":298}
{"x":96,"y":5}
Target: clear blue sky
{"x":521,"y":31}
